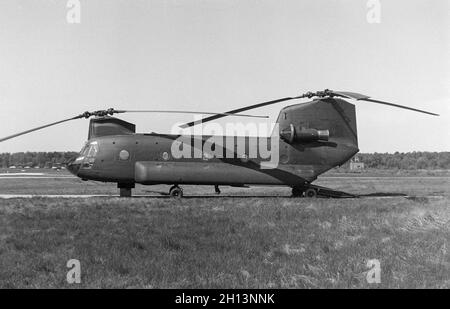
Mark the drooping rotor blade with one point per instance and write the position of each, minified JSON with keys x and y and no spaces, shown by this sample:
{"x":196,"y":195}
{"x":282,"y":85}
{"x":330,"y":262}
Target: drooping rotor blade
{"x":363,"y":97}
{"x":320,"y":94}
{"x":38,"y":128}
{"x":86,"y":115}
{"x":234,"y":111}
{"x":112,"y":111}
{"x":189,"y":112}
{"x":399,"y":106}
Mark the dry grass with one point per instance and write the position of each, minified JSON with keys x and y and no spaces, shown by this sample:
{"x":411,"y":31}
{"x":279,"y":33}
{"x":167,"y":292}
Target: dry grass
{"x":225,"y":242}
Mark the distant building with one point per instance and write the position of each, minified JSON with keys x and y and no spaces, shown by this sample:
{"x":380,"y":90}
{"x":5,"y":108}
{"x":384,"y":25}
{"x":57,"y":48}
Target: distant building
{"x":356,"y":165}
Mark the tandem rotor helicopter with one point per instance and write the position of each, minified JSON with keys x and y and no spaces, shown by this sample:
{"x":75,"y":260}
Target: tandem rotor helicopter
{"x":313,"y":137}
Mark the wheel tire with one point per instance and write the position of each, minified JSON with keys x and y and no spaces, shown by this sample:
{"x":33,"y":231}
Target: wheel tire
{"x":125,"y":192}
{"x":311,"y":193}
{"x":176,"y":192}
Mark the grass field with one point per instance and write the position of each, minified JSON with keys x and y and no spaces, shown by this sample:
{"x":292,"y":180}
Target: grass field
{"x":242,"y":240}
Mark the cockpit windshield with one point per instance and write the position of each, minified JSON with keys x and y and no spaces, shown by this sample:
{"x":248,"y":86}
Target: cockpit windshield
{"x":83,"y":150}
{"x":90,"y":150}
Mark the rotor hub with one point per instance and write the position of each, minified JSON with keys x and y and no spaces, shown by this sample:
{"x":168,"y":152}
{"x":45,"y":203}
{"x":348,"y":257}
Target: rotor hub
{"x":100,"y":113}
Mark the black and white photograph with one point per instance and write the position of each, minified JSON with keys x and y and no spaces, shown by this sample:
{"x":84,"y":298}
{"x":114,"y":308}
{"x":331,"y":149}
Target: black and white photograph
{"x":224,"y":151}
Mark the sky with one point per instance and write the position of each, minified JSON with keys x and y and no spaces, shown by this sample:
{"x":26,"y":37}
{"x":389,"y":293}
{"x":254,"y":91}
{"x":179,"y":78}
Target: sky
{"x":218,"y":55}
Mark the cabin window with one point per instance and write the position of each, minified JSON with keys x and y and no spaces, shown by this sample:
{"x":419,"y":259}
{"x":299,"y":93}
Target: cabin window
{"x":165,"y":156}
{"x":124,"y":155}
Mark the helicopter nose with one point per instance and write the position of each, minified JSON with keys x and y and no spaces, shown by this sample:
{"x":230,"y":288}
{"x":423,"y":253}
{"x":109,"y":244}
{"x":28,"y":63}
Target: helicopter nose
{"x":73,"y":166}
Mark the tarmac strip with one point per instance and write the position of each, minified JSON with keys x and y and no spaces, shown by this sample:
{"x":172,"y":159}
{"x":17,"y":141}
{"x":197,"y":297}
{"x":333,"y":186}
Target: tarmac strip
{"x":37,"y":177}
{"x":11,"y":196}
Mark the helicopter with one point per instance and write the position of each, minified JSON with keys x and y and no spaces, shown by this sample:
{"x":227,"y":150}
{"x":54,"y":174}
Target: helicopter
{"x":310,"y":138}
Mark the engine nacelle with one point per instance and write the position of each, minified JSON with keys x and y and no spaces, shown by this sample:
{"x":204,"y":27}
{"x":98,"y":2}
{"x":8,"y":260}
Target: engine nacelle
{"x":303,"y":135}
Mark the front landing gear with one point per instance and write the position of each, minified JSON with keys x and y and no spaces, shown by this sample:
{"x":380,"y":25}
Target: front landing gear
{"x":125,"y":189}
{"x":176,"y":191}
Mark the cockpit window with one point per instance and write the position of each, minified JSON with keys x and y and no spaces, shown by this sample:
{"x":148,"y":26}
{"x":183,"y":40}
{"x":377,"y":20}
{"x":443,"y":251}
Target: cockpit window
{"x":93,"y":149}
{"x":83,"y":151}
{"x":89,"y":151}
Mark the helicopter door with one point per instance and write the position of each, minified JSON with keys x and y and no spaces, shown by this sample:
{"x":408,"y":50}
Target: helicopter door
{"x":124,"y":152}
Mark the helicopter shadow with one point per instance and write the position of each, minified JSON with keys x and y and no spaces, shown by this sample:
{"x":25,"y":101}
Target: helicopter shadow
{"x":164,"y":195}
{"x":384,"y":194}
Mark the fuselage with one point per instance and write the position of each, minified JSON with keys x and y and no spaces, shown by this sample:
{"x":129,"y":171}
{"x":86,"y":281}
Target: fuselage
{"x":220,"y":160}
{"x":150,"y":159}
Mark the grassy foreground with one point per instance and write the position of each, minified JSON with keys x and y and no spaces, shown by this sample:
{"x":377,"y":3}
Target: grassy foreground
{"x":225,"y":242}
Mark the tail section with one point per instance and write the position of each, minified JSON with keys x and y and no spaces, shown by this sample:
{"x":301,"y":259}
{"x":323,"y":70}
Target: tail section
{"x":321,"y":133}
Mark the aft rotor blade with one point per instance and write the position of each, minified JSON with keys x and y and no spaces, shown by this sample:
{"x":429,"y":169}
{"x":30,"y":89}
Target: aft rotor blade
{"x":399,"y":106}
{"x":234,"y":111}
{"x":363,"y":97}
{"x":190,"y":112}
{"x":38,"y":128}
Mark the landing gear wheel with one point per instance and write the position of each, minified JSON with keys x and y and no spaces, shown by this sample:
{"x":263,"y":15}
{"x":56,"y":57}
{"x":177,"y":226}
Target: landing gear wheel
{"x":311,"y":193}
{"x":297,"y":192}
{"x":125,"y":189}
{"x":176,"y":191}
{"x":125,"y":192}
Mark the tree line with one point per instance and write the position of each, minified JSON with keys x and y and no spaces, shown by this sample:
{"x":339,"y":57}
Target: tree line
{"x":397,"y":160}
{"x":35,"y":159}
{"x":406,"y":161}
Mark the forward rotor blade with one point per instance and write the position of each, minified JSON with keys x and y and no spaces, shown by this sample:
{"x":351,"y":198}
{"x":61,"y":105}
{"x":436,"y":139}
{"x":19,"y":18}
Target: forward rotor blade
{"x":399,"y":106}
{"x":38,"y":128}
{"x":189,"y":112}
{"x":111,"y":111}
{"x":350,"y":95}
{"x":234,"y":111}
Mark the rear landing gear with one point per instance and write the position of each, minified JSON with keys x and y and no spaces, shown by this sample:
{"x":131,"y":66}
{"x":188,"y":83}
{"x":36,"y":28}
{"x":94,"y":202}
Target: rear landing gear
{"x":298,"y":191}
{"x":311,"y":193}
{"x":303,"y":191}
{"x":176,"y":191}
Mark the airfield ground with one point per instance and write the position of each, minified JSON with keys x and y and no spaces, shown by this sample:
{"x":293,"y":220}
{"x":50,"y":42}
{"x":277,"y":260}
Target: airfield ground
{"x":237,"y":240}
